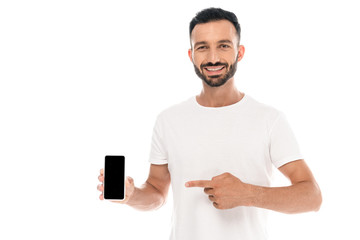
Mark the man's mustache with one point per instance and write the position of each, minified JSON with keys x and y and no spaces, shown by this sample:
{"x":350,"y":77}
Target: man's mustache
{"x":209,"y":64}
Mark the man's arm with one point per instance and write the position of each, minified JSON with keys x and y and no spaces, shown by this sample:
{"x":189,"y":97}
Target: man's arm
{"x":302,"y":196}
{"x":227,"y":191}
{"x":152,"y":194}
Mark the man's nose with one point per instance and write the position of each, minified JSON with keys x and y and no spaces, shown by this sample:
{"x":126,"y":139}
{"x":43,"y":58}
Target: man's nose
{"x":213,"y":56}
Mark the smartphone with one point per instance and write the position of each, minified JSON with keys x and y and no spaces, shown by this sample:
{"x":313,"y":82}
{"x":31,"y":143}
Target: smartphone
{"x":114,"y":178}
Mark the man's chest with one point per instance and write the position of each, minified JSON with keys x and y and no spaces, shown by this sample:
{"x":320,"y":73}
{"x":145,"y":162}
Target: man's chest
{"x":206,"y":149}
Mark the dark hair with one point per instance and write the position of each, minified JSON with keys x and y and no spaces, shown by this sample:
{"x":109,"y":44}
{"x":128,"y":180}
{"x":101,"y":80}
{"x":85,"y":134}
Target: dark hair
{"x":215,"y":14}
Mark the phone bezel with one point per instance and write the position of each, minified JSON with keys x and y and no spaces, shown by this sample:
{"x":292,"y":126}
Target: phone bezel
{"x":116,"y":199}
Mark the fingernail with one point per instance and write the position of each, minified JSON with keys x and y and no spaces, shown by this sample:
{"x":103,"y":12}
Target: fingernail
{"x":187,"y":184}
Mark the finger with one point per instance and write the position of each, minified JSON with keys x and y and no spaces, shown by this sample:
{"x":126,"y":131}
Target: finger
{"x":209,"y":191}
{"x":212,"y":198}
{"x":130,"y":180}
{"x":101,"y":178}
{"x":101,"y":197}
{"x":100,"y":187}
{"x":102,"y":171}
{"x":199,"y":183}
{"x":216,"y":205}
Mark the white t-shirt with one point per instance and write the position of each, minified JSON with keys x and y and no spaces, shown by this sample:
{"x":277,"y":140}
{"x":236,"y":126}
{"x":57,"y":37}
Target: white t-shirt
{"x":245,"y":139}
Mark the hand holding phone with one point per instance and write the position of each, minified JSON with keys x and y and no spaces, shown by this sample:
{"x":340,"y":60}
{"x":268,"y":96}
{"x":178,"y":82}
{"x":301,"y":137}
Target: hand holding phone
{"x":114,"y":178}
{"x":114,"y":186}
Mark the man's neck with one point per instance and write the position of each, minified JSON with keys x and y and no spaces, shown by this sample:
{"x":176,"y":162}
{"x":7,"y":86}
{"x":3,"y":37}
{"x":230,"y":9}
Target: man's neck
{"x":219,"y":96}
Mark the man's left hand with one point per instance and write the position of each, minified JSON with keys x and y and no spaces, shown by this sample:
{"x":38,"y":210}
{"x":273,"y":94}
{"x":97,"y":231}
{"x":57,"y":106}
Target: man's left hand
{"x":225,"y":191}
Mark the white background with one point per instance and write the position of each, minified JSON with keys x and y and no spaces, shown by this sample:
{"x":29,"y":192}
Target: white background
{"x":82,"y":79}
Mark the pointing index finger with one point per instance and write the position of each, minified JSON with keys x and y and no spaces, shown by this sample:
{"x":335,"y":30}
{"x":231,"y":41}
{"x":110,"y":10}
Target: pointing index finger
{"x":199,"y":183}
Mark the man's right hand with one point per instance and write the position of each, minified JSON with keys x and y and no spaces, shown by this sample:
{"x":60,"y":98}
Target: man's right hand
{"x":129,"y":188}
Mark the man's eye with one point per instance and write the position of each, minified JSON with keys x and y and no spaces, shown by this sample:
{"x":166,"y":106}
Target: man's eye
{"x":224,"y":46}
{"x":201,"y":47}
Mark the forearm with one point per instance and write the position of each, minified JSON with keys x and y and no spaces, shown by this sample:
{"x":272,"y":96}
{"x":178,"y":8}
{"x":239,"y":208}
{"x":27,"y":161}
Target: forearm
{"x":300,"y":197}
{"x":146,"y":198}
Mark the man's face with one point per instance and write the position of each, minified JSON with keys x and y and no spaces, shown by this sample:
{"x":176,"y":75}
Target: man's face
{"x":215,"y":52}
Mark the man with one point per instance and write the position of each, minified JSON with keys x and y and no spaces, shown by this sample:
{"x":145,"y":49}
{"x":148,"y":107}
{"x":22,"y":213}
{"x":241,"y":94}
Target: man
{"x":217,"y":149}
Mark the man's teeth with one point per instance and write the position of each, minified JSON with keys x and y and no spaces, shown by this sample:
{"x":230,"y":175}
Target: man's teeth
{"x":214,"y":69}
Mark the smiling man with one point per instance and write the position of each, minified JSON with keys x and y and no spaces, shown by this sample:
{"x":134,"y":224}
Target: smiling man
{"x":217,"y":149}
{"x":215,"y":41}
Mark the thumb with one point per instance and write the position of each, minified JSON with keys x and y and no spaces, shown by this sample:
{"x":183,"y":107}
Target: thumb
{"x":130,"y":180}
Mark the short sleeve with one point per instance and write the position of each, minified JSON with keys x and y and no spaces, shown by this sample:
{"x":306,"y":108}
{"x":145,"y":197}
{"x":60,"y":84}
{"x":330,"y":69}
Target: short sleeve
{"x":283,"y":145}
{"x":158,"y":153}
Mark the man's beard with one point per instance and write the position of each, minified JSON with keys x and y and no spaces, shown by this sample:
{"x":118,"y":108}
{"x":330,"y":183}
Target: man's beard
{"x":216,"y":81}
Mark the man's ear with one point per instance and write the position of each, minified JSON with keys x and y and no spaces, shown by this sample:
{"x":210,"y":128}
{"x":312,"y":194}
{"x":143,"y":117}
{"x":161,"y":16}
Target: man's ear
{"x":241,"y":52}
{"x":190,"y":55}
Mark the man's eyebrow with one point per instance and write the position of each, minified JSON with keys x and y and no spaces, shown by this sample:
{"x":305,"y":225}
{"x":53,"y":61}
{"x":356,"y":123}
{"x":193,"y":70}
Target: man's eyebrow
{"x":221,"y":41}
{"x":200,"y":43}
{"x":226,"y":41}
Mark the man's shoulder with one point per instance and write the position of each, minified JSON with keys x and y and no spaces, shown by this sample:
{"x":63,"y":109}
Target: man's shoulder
{"x":177,"y":109}
{"x":262,"y":109}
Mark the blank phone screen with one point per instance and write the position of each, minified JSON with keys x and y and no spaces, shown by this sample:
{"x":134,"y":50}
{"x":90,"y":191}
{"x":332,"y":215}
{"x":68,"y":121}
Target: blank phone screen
{"x":114,"y":182}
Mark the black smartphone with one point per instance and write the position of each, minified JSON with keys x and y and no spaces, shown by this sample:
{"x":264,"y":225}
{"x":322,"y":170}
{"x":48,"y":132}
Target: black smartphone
{"x":114,"y":178}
